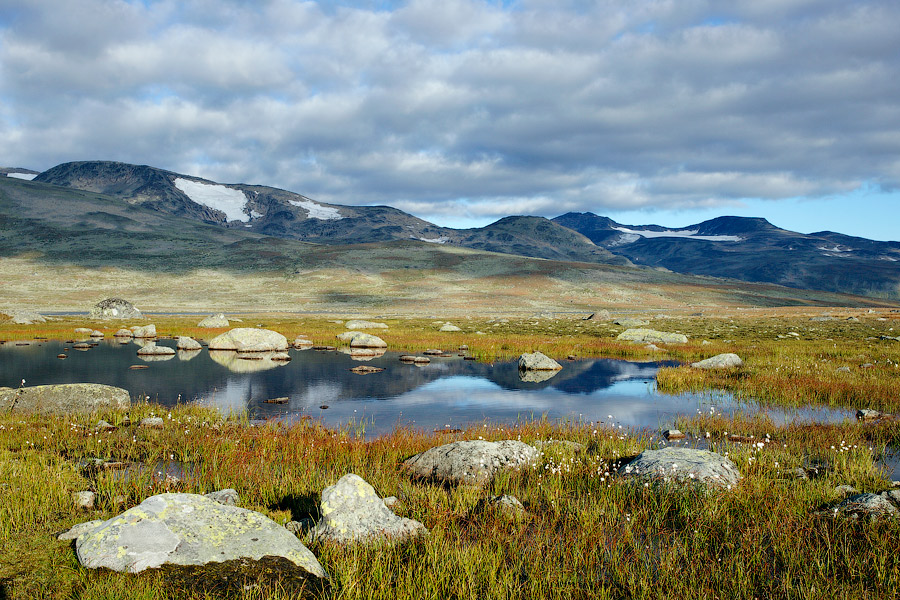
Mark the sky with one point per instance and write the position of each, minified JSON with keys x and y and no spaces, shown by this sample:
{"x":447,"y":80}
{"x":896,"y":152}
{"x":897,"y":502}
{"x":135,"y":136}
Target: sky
{"x":465,"y":111}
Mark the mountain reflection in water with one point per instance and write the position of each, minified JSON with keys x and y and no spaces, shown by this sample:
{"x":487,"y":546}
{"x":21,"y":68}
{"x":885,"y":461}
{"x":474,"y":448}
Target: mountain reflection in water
{"x":448,"y":392}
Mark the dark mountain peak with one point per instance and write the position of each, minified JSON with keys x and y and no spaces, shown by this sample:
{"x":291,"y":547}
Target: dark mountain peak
{"x":733,"y":226}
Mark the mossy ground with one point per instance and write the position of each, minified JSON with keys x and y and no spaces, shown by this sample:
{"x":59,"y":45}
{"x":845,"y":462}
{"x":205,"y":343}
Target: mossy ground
{"x":589,"y":534}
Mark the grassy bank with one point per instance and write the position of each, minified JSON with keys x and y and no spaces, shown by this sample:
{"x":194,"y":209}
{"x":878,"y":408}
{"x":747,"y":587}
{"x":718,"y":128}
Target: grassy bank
{"x":588,"y":533}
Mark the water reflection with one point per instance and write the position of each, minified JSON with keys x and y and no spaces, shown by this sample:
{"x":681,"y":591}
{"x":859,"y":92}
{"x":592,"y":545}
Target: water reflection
{"x":449,"y":391}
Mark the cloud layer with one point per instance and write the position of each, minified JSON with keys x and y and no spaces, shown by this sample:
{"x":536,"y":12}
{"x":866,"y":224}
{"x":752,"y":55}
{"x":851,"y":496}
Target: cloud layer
{"x":448,"y":108}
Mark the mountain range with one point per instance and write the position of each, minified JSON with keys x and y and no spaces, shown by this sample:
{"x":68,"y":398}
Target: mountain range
{"x":738,"y":248}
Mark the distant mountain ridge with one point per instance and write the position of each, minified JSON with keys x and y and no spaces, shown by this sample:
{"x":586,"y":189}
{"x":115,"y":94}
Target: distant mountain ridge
{"x":752,"y":249}
{"x":742,"y":248}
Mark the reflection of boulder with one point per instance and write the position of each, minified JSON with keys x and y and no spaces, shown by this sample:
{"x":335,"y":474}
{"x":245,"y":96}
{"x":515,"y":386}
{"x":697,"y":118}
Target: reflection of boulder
{"x":234,"y":362}
{"x":536,"y":376}
{"x":187,"y":355}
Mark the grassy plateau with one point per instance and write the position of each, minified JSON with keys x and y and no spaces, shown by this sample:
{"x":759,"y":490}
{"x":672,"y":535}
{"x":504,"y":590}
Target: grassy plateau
{"x":588,"y":533}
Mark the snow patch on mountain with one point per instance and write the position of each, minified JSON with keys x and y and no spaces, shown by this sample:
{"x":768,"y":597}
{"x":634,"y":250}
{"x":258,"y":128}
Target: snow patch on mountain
{"x":690,"y":234}
{"x":437,"y":240}
{"x":317,"y":211}
{"x":25,"y":176}
{"x":228,"y":200}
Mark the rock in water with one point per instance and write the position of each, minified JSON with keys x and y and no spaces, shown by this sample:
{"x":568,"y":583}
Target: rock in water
{"x":538,"y":362}
{"x":115,"y":308}
{"x":651,"y":336}
{"x":152,"y":349}
{"x":146,"y":331}
{"x":359,"y":339}
{"x":353,"y":512}
{"x":187,"y":343}
{"x":683,"y":465}
{"x":214,"y":321}
{"x":719,"y":361}
{"x":249,"y":339}
{"x":473,"y":461}
{"x":65,"y":398}
{"x":190,"y":530}
{"x":124,"y":333}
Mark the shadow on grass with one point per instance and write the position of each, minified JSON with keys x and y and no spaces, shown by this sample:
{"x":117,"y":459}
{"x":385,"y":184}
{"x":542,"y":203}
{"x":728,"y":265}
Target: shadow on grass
{"x":301,"y":506}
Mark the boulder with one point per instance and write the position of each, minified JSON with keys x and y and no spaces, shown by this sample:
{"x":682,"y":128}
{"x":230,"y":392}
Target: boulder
{"x":472,"y":461}
{"x":152,"y":422}
{"x":192,"y":530}
{"x":538,"y":362}
{"x":154,"y":350}
{"x":353,"y":512}
{"x":683,"y":465}
{"x":83,"y":331}
{"x":871,"y":507}
{"x":302,"y":343}
{"x":719,"y":361}
{"x":870,"y":414}
{"x":228,"y":497}
{"x":145,"y":331}
{"x":359,"y":339}
{"x":65,"y":398}
{"x":84,"y":500}
{"x":124,"y":333}
{"x":449,"y":328}
{"x":508,"y":506}
{"x":115,"y":308}
{"x":631,"y":322}
{"x":23,"y":316}
{"x":600,"y":315}
{"x":651,"y":336}
{"x":213,"y":322}
{"x":187,"y":343}
{"x":364,"y":325}
{"x":249,"y":339}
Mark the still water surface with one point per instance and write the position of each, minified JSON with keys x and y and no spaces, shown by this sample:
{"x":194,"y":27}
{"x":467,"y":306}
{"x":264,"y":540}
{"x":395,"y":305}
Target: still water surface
{"x":448,"y":392}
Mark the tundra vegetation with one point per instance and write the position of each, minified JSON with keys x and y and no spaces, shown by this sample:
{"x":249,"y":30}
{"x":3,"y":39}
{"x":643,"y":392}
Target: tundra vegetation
{"x":586,"y":532}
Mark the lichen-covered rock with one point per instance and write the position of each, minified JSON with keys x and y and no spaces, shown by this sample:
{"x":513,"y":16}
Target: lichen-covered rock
{"x":145,"y":331}
{"x":471,"y":462}
{"x":152,"y":422}
{"x":65,"y":398}
{"x":353,"y":512}
{"x":538,"y":362}
{"x":651,"y":336}
{"x":360,"y":339}
{"x":356,"y":324}
{"x":124,"y":333}
{"x":719,"y":361}
{"x":187,"y":343}
{"x":188,"y":529}
{"x":214,"y":322}
{"x":302,"y":343}
{"x":449,"y":328}
{"x":115,"y":308}
{"x":683,"y":465}
{"x":228,"y":497}
{"x":23,"y":316}
{"x":250,"y":339}
{"x":871,"y":507}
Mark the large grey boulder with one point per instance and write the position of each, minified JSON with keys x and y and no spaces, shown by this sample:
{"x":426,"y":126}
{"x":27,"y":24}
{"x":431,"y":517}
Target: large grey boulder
{"x":214,"y":321}
{"x":23,"y":316}
{"x":871,"y":507}
{"x":249,"y":339}
{"x":360,"y":339}
{"x":189,"y":530}
{"x":144,"y":331}
{"x":65,"y":398}
{"x":152,"y":349}
{"x":719,"y":361}
{"x":472,"y":462}
{"x":651,"y":336}
{"x":188,"y":343}
{"x":449,"y":328}
{"x":115,"y":308}
{"x":683,"y":465}
{"x":600,"y":315}
{"x":538,"y":362}
{"x":631,"y":322}
{"x":353,"y":512}
{"x":357,"y":324}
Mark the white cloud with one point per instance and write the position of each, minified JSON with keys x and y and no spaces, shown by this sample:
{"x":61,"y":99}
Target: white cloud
{"x":466,"y":105}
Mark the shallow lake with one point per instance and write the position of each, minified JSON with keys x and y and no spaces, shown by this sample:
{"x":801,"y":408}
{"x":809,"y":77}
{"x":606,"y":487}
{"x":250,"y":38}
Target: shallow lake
{"x":449,"y":392}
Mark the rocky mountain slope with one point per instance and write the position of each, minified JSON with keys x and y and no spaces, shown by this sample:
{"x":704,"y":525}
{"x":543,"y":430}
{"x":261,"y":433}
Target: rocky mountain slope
{"x":752,"y":249}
